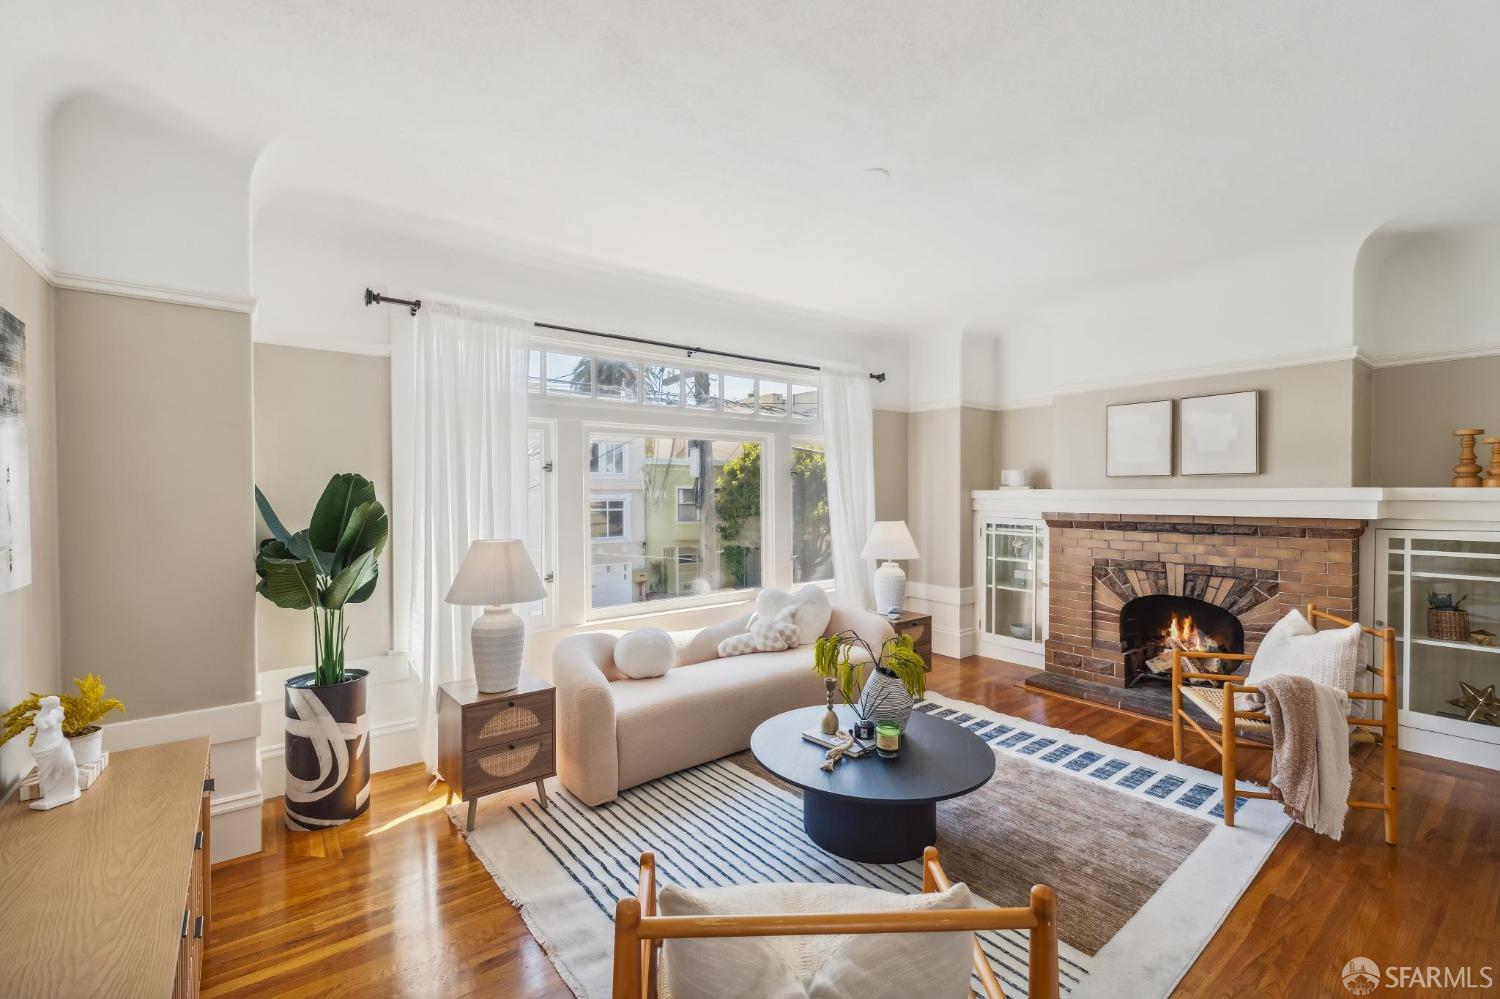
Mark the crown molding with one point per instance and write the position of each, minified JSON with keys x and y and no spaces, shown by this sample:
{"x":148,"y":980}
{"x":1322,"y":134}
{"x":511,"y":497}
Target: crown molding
{"x":1294,"y":360}
{"x":1428,"y":357}
{"x":155,"y":293}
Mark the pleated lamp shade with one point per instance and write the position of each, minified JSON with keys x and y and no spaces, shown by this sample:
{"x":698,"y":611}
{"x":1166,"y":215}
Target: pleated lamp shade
{"x":496,"y":574}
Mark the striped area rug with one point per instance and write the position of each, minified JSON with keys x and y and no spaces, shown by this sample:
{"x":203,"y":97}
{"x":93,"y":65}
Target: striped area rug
{"x":721,"y":824}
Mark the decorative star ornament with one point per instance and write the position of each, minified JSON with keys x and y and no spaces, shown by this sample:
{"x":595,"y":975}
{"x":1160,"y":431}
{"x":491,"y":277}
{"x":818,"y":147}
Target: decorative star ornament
{"x":1478,"y":705}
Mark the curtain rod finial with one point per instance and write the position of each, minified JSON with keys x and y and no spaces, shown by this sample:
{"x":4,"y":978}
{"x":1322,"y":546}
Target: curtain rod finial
{"x":879,"y":376}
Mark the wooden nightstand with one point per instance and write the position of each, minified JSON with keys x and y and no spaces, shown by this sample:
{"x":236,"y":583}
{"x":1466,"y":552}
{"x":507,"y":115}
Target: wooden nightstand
{"x":919,"y":627}
{"x":494,"y":742}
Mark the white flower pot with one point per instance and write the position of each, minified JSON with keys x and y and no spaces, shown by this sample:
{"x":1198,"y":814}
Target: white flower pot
{"x":86,"y":747}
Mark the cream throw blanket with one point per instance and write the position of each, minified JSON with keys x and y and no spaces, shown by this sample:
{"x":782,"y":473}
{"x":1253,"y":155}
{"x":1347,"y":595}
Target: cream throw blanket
{"x":1310,"y":769}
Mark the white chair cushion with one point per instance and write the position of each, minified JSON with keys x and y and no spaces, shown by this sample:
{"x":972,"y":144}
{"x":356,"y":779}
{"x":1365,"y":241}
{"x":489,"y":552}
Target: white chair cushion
{"x":935,"y":965}
{"x":645,"y":653}
{"x":1294,"y":646}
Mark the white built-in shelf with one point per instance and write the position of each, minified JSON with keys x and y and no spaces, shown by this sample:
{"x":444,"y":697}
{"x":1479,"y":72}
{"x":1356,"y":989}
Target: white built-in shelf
{"x":1455,"y":576}
{"x":1465,"y":646}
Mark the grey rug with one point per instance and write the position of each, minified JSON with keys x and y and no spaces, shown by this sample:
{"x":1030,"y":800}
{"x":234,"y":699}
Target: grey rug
{"x":1033,"y":825}
{"x":1144,"y":871}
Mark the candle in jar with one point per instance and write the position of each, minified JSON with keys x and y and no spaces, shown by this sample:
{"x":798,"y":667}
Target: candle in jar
{"x":887,"y":739}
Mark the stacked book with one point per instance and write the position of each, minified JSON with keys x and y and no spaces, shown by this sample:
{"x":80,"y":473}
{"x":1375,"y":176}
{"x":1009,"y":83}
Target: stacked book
{"x":856,"y":747}
{"x":31,"y":787}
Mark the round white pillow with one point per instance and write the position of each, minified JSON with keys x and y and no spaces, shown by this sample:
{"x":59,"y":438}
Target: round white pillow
{"x":645,"y":653}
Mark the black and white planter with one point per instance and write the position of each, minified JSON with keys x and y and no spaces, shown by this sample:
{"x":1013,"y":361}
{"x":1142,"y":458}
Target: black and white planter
{"x":327,"y":751}
{"x":885,"y":699}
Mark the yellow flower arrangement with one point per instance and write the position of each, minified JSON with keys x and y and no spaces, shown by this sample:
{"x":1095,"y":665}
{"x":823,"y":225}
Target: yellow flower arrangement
{"x":80,"y":713}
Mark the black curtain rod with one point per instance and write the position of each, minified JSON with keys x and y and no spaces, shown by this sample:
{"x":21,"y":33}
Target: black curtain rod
{"x":375,"y":298}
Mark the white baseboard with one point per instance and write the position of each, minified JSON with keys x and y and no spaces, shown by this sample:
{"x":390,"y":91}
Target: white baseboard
{"x":393,"y":697}
{"x":1450,"y":747}
{"x":233,"y":731}
{"x":956,"y":643}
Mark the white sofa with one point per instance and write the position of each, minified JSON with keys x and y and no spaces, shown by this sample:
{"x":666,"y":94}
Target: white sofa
{"x":614,"y":732}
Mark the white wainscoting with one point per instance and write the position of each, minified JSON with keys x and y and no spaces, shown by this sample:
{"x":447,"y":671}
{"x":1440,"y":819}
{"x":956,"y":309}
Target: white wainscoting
{"x":952,"y":610}
{"x":233,"y":731}
{"x":391,"y":704}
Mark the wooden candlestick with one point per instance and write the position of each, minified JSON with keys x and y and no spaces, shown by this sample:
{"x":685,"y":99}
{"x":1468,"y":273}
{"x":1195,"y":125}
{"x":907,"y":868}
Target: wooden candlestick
{"x":1492,"y":479}
{"x":1466,"y":472}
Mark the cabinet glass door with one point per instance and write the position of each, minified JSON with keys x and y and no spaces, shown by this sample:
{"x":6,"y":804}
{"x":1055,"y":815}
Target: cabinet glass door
{"x":1442,"y":595}
{"x":1014,"y":602}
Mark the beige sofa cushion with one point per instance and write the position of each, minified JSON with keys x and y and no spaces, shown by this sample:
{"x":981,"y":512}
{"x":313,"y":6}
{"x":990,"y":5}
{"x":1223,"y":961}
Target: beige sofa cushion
{"x":691,"y":715}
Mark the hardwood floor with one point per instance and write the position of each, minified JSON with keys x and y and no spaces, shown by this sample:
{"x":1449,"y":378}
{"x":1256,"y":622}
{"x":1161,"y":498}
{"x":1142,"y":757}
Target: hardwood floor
{"x":394,"y":903}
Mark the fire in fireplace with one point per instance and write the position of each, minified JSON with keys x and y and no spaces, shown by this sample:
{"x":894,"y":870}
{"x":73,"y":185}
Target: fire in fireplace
{"x":1152,"y":626}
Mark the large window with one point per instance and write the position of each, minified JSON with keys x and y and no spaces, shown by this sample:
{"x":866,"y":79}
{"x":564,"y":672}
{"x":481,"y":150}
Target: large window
{"x":562,"y":373}
{"x":688,"y":524}
{"x":812,"y":544}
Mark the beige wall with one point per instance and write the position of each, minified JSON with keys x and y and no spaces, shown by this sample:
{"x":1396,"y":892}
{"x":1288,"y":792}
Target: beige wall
{"x":156,"y":512}
{"x":1362,"y":472}
{"x":1306,"y":429}
{"x":1023,"y":439}
{"x":1416,"y":408}
{"x":890,"y":464}
{"x":933,"y":456}
{"x":319,"y":413}
{"x":976,"y":470}
{"x":29,"y":618}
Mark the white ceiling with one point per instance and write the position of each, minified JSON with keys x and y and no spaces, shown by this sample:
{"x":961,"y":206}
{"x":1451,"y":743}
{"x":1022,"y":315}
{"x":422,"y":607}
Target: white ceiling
{"x":1035,"y":148}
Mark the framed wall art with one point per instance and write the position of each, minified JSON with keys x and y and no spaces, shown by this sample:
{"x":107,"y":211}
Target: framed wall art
{"x":1138,"y":439}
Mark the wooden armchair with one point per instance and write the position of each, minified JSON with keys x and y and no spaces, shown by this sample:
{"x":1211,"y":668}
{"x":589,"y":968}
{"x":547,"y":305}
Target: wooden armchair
{"x":639,"y":931}
{"x":1218,"y":704}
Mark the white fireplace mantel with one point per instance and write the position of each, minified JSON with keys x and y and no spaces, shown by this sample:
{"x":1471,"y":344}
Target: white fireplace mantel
{"x":1434,"y":505}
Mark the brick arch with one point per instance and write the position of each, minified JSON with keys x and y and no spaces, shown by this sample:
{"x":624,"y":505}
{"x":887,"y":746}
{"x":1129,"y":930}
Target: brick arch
{"x":1248,"y":594}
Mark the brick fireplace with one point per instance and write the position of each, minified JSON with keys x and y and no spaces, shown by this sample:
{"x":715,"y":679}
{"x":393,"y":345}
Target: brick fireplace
{"x":1112,"y":578}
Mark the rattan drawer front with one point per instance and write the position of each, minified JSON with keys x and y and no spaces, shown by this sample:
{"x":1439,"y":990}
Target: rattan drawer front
{"x":502,"y":721}
{"x":507,"y":764}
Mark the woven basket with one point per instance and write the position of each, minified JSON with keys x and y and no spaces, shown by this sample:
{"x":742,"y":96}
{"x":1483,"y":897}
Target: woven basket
{"x":1448,"y":625}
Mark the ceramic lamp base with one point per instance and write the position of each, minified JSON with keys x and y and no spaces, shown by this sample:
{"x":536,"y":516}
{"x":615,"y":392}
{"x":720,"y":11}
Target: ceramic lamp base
{"x":499,"y":639}
{"x":890,"y":588}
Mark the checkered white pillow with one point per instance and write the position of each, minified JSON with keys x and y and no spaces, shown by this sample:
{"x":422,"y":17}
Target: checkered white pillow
{"x":766,"y":634}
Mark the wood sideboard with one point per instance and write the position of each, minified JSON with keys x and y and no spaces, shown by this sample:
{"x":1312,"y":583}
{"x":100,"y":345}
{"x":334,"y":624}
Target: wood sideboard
{"x":108,"y":895}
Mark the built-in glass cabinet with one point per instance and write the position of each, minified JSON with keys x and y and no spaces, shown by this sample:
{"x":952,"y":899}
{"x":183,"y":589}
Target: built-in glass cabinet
{"x":1441,"y":592}
{"x":1011,"y":596}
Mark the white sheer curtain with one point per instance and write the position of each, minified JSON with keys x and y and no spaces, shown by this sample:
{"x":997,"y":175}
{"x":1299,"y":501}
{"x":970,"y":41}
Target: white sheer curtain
{"x":848,"y":412}
{"x":458,"y":412}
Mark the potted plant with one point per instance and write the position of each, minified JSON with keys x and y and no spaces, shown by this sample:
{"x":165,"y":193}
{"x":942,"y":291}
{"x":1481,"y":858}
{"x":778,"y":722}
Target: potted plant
{"x":887,"y":694}
{"x":81,"y":716}
{"x":323,"y":569}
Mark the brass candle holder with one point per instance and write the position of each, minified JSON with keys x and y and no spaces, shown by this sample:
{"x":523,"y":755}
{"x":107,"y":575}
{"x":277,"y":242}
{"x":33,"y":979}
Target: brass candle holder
{"x":1466,"y":472}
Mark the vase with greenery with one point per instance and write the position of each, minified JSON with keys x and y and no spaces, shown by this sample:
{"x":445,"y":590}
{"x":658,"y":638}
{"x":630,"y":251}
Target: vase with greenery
{"x":82,"y":713}
{"x":889,"y":690}
{"x":323,"y":569}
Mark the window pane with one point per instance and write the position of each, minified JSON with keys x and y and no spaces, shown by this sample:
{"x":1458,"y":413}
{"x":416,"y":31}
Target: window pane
{"x":805,"y":401}
{"x":773,"y":397}
{"x":701,"y":389}
{"x":812,"y":544}
{"x":663,"y":386}
{"x":618,"y":380}
{"x":534,"y":371}
{"x":682,"y":518}
{"x":569,"y":374}
{"x":739,"y":394}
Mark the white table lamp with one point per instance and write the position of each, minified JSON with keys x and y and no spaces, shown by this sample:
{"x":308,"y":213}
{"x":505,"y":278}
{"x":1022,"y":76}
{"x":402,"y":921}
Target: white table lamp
{"x":889,"y":539}
{"x":494,"y":575}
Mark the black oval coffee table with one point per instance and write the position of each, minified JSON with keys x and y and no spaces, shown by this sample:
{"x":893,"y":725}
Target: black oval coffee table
{"x":871,"y":809}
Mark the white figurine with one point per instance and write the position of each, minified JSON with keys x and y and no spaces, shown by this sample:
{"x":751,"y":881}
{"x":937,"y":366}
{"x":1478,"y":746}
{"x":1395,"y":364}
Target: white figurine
{"x":57,"y":770}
